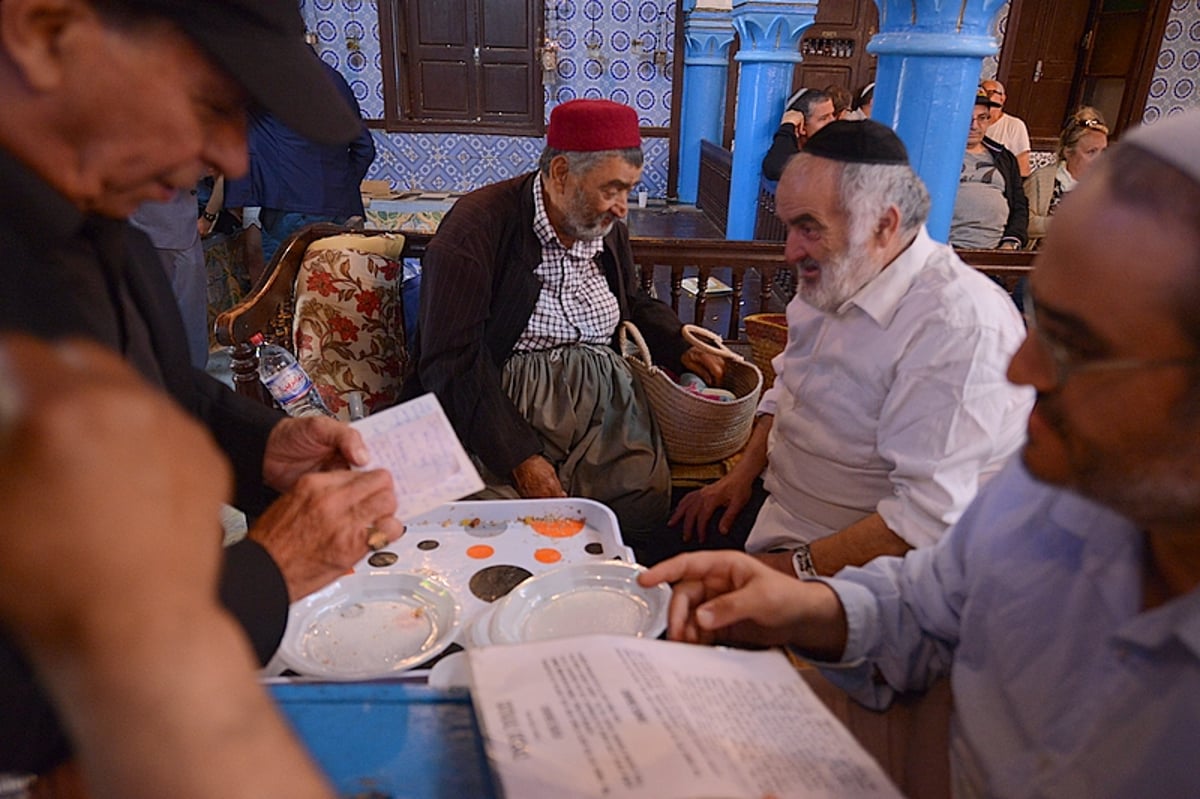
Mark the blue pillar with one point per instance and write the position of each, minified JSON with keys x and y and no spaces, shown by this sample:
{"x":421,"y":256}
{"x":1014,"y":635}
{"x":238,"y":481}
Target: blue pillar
{"x":930,"y":56}
{"x":770,"y":32}
{"x":707,"y":36}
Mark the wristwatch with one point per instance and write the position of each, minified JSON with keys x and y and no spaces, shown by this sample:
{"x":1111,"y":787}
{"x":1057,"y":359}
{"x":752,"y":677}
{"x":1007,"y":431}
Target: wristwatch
{"x":211,"y":217}
{"x":802,"y":562}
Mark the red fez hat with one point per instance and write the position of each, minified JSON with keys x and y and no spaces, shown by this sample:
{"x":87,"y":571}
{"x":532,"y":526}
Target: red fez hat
{"x":590,"y":125}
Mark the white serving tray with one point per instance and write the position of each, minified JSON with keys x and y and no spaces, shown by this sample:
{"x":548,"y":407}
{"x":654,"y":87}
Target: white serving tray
{"x":482,"y":549}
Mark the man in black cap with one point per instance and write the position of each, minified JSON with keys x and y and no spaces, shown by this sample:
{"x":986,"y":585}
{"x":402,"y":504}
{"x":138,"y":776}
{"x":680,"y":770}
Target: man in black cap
{"x":890,"y":405}
{"x":108,"y":104}
{"x":991,"y":210}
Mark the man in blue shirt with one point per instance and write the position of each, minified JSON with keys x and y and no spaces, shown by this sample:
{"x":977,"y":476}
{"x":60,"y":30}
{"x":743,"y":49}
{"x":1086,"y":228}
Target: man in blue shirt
{"x":1064,"y":605}
{"x":298,"y":181}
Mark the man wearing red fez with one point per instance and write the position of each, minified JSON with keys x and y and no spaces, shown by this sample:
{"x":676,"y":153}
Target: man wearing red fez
{"x":523,"y":290}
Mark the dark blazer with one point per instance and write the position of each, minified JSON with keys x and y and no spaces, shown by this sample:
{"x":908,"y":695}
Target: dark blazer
{"x":45,"y":244}
{"x":478,"y":290}
{"x":783,"y":147}
{"x":1016,"y":227}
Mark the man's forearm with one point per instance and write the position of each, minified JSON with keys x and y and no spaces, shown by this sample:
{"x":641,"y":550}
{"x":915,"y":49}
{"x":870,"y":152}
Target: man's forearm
{"x":865,"y":540}
{"x":753,"y":458}
{"x":192,"y":720}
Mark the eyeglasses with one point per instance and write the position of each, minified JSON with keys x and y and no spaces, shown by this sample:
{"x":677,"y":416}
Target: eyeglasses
{"x":1066,"y":363}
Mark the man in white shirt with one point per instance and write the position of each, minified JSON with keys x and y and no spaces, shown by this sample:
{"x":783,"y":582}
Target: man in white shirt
{"x":1006,"y":128}
{"x":890,"y":404}
{"x":1065,"y":605}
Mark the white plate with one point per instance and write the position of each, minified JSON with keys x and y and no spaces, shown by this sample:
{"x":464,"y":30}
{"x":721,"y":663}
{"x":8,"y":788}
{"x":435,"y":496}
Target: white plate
{"x":452,"y":671}
{"x":475,"y":630}
{"x":372,"y":625}
{"x":580,"y":599}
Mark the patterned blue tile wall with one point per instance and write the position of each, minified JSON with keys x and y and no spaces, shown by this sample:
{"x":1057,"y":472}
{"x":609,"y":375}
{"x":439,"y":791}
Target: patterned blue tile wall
{"x":619,"y":64}
{"x":622,"y":68}
{"x":1173,"y":88}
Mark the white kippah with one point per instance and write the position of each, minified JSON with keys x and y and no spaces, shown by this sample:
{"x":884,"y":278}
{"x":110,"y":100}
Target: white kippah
{"x":1175,"y":139}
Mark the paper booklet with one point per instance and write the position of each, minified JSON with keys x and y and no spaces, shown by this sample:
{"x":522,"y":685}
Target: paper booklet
{"x":619,"y":717}
{"x":415,"y":442}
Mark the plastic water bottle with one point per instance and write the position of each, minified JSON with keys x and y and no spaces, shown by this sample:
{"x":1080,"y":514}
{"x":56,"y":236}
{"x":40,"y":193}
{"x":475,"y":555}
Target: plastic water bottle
{"x":287,"y":381}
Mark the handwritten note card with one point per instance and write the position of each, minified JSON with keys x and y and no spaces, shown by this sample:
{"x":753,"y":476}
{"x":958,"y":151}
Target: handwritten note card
{"x":415,"y":442}
{"x":630,"y":718}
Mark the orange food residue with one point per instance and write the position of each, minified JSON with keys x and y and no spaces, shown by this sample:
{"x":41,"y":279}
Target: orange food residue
{"x":555,"y":528}
{"x":480,"y":551}
{"x":547,"y":555}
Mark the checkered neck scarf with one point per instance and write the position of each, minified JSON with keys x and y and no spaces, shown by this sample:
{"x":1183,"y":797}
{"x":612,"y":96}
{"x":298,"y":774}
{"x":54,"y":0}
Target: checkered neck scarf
{"x":576,"y":305}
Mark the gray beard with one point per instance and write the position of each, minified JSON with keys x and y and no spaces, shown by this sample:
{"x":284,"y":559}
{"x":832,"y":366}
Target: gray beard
{"x":842,"y":277}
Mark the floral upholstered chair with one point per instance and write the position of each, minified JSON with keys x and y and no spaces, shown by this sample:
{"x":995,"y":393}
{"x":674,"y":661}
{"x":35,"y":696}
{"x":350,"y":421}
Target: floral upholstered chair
{"x":348,"y":325}
{"x":332,"y":297}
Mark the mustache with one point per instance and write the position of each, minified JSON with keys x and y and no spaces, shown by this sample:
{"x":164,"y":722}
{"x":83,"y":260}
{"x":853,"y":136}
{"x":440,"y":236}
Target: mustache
{"x":1051,"y":414}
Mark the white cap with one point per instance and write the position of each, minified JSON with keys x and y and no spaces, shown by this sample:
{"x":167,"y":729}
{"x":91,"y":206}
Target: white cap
{"x":1175,"y":139}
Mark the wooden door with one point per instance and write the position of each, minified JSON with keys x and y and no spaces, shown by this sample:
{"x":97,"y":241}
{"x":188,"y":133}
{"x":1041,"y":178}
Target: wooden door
{"x":1123,"y":43}
{"x":1047,"y":43}
{"x":1058,"y":56}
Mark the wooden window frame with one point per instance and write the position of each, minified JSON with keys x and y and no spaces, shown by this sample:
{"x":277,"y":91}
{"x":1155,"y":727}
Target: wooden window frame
{"x":396,"y":82}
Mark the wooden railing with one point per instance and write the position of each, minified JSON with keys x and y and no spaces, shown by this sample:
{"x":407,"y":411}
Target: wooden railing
{"x":758,"y":276}
{"x":755,"y":272}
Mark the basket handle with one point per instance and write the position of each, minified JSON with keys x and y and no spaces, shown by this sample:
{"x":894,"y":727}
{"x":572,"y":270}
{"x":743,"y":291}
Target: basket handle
{"x":643,"y":351}
{"x":709,"y":342}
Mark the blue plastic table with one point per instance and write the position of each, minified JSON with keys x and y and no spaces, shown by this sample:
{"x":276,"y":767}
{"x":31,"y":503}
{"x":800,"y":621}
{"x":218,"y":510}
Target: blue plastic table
{"x":391,"y":740}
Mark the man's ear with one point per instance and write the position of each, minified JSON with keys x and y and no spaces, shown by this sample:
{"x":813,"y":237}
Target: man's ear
{"x":33,"y":33}
{"x":888,"y":226}
{"x":559,"y":169}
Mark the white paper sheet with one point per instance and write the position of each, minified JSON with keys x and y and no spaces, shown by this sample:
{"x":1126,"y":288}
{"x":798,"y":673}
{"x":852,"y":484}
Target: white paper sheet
{"x":626,"y":718}
{"x":415,"y":442}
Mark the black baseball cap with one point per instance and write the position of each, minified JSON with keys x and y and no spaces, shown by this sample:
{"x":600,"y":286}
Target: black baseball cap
{"x":983,"y":98}
{"x":261,"y":44}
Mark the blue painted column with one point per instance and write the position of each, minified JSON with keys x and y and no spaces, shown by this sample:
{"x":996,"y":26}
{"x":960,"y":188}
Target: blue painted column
{"x":707,"y":36}
{"x":770,"y":32}
{"x":930,"y":56}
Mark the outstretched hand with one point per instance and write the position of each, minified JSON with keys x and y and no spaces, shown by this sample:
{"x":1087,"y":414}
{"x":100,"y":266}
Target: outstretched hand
{"x":730,"y":596}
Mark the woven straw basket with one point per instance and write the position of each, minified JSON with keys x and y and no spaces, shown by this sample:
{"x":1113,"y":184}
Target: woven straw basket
{"x":697,"y":429}
{"x":767,"y":333}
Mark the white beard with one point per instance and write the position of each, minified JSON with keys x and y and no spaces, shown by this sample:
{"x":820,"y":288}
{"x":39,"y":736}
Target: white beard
{"x":843,"y":275}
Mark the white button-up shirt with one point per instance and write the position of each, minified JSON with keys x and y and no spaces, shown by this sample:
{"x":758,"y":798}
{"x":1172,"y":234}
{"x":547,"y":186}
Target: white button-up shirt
{"x":896,"y":403}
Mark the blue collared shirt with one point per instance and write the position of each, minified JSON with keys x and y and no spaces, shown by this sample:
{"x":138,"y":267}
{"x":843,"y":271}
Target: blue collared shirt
{"x":1063,"y":685}
{"x":291,"y":173}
